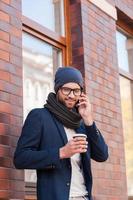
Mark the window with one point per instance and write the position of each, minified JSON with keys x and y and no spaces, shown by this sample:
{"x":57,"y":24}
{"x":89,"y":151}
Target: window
{"x":124,"y":51}
{"x":48,"y":13}
{"x":125,"y":56}
{"x":45,"y":47}
{"x":126,"y":89}
{"x":40,"y":60}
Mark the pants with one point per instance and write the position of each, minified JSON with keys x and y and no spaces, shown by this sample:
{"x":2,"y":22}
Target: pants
{"x":79,"y":198}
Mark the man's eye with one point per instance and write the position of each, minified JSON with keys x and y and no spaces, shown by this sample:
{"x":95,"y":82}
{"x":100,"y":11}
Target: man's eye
{"x":77,"y":90}
{"x":66,"y":90}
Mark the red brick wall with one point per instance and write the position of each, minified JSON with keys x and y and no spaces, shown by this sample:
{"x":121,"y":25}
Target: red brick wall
{"x":98,"y":50}
{"x":11,"y":180}
{"x":102,"y":82}
{"x":77,"y":36}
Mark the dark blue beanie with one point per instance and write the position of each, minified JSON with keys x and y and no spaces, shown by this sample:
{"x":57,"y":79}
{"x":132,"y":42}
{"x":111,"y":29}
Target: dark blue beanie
{"x":66,"y":75}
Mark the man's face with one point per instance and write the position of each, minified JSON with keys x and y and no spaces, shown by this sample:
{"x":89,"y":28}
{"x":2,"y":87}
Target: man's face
{"x":69,"y":100}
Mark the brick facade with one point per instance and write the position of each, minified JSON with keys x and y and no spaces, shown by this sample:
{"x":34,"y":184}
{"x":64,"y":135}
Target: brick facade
{"x":98,"y":50}
{"x":94,"y":53}
{"x":102,"y":83}
{"x":11,"y":180}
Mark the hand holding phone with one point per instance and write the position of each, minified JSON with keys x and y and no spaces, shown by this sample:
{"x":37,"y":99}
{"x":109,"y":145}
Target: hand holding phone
{"x":85,"y":109}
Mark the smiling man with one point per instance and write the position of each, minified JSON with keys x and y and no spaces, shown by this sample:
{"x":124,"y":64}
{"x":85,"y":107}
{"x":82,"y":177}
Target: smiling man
{"x":69,"y":94}
{"x":47,"y":141}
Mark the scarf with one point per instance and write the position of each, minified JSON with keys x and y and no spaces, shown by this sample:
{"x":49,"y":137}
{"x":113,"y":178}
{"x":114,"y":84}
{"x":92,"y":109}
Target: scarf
{"x":69,"y":118}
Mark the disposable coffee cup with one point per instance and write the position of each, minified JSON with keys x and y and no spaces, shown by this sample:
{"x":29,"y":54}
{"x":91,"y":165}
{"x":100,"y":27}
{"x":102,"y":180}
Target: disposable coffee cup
{"x":80,"y":135}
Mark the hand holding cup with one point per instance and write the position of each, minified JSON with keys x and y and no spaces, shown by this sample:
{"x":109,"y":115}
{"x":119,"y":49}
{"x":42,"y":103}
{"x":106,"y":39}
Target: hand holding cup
{"x":80,"y":137}
{"x":76,"y":145}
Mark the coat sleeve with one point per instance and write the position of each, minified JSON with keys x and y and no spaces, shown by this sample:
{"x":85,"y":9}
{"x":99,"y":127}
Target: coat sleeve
{"x":27,"y":154}
{"x":98,"y":147}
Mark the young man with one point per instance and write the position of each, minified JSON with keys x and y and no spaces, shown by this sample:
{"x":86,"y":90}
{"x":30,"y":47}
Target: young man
{"x":47,"y":143}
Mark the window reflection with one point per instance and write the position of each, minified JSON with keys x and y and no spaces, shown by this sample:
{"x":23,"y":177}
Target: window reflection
{"x":124,"y":51}
{"x":49,"y":13}
{"x":39,"y":63}
{"x":126,"y":89}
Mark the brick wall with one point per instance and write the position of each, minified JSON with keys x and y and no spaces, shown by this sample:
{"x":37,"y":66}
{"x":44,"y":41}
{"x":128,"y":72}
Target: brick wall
{"x":102,"y":83}
{"x":98,"y":50}
{"x":11,"y":180}
{"x":76,"y":35}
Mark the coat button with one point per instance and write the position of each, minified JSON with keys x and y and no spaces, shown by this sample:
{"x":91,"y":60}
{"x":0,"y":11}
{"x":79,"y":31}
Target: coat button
{"x":68,"y":184}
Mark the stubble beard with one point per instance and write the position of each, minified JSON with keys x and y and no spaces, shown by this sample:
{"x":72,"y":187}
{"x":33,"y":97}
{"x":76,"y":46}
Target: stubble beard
{"x":64,"y":101}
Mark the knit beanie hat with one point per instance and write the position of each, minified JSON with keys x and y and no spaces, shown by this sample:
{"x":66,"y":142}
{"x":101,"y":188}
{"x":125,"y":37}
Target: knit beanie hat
{"x":65,"y":75}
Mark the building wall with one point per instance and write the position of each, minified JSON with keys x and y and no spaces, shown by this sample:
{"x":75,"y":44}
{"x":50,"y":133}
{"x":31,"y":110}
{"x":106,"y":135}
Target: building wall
{"x":94,"y":53}
{"x":102,"y":83}
{"x":95,"y":48}
{"x":11,"y":180}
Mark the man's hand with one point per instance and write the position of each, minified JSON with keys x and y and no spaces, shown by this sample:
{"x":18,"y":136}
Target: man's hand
{"x":76,"y":145}
{"x":85,"y":110}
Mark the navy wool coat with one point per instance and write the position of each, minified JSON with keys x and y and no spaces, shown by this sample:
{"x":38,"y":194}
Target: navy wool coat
{"x":38,"y":148}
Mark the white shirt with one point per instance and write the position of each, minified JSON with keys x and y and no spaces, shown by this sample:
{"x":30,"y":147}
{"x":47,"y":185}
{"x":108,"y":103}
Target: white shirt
{"x":77,"y":187}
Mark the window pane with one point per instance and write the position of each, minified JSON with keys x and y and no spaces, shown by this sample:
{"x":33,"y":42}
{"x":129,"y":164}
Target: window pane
{"x":49,"y":13}
{"x":126,"y":89}
{"x":39,"y":63}
{"x":124,"y":51}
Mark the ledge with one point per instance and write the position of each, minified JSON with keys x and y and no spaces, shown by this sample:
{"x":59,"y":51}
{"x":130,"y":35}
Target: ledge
{"x":106,"y":7}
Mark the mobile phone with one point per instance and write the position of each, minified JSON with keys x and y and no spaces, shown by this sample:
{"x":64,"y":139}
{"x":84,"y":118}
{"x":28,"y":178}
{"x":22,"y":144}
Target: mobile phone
{"x":77,"y":103}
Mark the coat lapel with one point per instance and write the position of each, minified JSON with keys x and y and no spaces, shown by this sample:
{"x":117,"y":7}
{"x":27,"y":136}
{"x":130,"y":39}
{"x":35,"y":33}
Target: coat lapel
{"x":61,"y":130}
